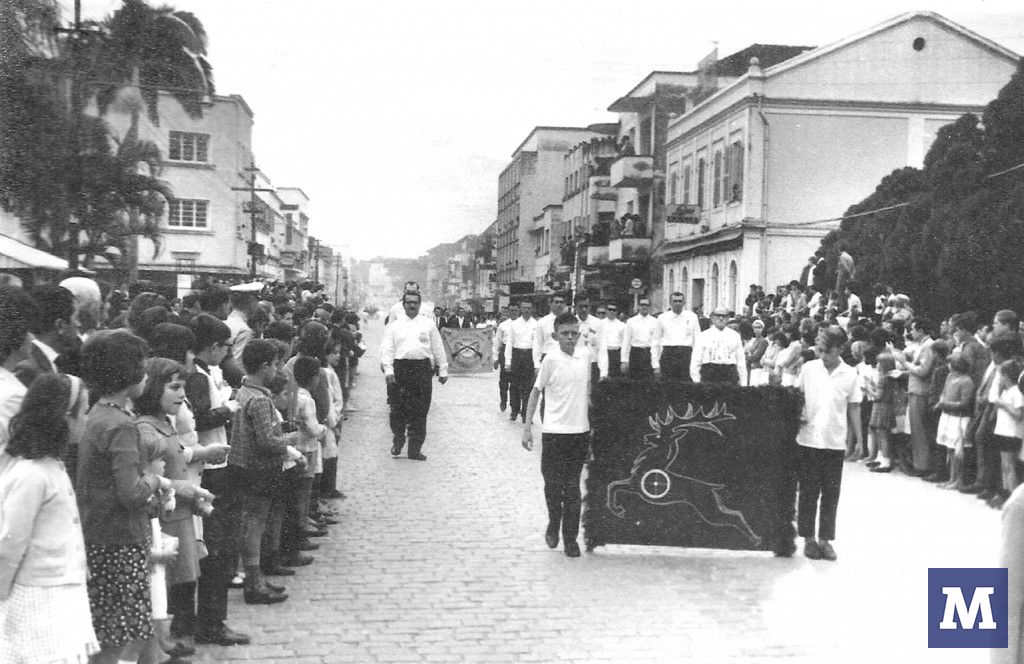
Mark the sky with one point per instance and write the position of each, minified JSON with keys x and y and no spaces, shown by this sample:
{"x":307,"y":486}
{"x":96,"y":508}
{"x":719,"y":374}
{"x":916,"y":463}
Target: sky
{"x":396,"y":117}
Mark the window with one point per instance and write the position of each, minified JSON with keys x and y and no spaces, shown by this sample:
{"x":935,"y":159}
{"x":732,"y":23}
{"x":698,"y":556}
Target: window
{"x":716,"y":191}
{"x":701,"y":182}
{"x":734,"y":172}
{"x":714,"y":285}
{"x":185,"y":146}
{"x":187,"y":213}
{"x":687,"y":174}
{"x":673,"y":185}
{"x":288,"y":229}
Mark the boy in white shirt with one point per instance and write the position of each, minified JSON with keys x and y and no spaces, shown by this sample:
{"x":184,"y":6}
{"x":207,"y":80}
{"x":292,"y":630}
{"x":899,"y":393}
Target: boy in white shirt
{"x":564,"y":378}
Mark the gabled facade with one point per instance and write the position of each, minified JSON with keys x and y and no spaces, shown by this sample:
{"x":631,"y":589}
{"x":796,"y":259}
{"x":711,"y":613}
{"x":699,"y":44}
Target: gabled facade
{"x":756,"y":167}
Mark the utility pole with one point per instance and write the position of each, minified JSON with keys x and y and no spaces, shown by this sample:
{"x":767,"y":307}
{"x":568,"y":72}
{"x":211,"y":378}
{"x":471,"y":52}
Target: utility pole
{"x":254,"y":248}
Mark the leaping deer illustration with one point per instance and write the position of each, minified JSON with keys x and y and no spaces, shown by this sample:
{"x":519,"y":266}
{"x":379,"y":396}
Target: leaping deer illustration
{"x":653,"y":478}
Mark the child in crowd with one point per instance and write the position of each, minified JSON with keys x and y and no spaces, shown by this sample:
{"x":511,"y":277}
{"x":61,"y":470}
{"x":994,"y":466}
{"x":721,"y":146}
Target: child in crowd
{"x":956,"y":405}
{"x":44,"y":605}
{"x":564,"y":378}
{"x":1009,"y":421}
{"x":883,"y":411}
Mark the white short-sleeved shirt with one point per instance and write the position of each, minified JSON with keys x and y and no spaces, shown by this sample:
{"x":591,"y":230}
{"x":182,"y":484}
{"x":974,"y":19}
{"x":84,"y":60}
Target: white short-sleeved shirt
{"x":564,"y":379}
{"x":1006,"y":425}
{"x":826,"y":397}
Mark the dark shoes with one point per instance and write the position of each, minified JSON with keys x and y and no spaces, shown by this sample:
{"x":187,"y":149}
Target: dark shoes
{"x":296,"y":559}
{"x":502,"y":406}
{"x":572,"y":550}
{"x":418,"y":457}
{"x":333,"y":494}
{"x":987,"y":494}
{"x":826,"y":550}
{"x":551,"y":539}
{"x":513,"y":417}
{"x":937,"y":477}
{"x":974,"y":488}
{"x":396,"y":449}
{"x":880,"y":469}
{"x":273,"y":567}
{"x":812,"y":550}
{"x":256,"y":596}
{"x":225,"y":636}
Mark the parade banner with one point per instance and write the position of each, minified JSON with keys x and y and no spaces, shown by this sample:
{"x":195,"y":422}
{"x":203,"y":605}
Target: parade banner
{"x":682,"y":464}
{"x":469,"y":351}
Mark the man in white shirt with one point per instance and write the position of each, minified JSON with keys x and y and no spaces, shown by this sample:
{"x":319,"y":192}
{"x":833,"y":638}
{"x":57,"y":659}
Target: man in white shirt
{"x":408,"y":352}
{"x":244,"y":298}
{"x":590,"y":332}
{"x":829,"y":386}
{"x":637,"y":358}
{"x":498,"y":353}
{"x":854,"y":307}
{"x":564,"y":378}
{"x":543,"y":341}
{"x":397,"y":309}
{"x":674,"y":336}
{"x":718,"y":355}
{"x":519,"y":359}
{"x":609,"y":346}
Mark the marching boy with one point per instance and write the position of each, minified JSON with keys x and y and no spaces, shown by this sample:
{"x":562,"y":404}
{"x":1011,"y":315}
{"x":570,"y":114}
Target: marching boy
{"x":565,"y":433}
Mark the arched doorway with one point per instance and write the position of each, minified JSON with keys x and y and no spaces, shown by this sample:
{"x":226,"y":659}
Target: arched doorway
{"x":733,"y":278}
{"x":714,"y":286}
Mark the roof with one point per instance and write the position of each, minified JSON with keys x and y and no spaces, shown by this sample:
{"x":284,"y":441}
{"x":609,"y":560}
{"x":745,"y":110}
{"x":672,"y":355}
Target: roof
{"x":769,"y":55}
{"x":546,"y":128}
{"x":18,"y":255}
{"x":666,"y":83}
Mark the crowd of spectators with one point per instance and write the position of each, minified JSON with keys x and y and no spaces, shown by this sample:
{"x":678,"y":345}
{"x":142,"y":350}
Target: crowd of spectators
{"x":154,"y":453}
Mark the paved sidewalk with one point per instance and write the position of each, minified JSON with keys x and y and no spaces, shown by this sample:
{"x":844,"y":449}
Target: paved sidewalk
{"x":444,"y":561}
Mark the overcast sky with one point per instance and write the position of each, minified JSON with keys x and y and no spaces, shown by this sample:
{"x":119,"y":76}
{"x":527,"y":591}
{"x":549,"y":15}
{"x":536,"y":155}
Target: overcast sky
{"x":397,"y":117}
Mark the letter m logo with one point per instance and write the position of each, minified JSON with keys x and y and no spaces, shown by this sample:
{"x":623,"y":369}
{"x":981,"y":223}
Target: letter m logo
{"x":967,"y":608}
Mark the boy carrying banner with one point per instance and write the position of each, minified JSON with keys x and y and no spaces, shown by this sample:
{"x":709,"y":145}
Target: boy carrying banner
{"x":564,"y":378}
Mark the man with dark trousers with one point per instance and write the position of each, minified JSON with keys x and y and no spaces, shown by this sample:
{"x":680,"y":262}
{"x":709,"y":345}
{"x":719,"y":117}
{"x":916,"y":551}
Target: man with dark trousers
{"x":461,"y":320}
{"x":409,"y":350}
{"x":511,"y":313}
{"x":519,"y":359}
{"x":674,"y":335}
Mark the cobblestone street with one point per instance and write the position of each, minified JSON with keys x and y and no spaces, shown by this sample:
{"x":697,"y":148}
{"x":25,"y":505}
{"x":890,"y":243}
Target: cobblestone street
{"x":444,"y":561}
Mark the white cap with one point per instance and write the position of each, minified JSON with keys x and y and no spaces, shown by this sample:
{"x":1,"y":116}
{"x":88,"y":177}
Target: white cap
{"x":253,"y":287}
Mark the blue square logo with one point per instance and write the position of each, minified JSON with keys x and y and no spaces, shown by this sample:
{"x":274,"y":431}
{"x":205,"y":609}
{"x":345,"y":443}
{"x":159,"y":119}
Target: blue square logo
{"x":967,"y":608}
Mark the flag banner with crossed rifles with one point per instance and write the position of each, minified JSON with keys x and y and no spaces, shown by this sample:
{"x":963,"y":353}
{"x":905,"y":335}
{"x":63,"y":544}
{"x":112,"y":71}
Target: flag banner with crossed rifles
{"x":690,"y":465}
{"x":469,"y":351}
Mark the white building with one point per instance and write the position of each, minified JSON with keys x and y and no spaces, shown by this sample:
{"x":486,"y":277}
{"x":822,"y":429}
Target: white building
{"x":753,"y":168}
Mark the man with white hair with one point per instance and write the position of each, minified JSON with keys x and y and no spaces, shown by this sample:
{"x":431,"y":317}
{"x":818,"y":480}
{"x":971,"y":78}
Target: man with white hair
{"x":88,"y":303}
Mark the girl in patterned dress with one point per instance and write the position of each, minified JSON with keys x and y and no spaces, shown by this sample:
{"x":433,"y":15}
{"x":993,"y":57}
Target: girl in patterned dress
{"x":956,"y":405}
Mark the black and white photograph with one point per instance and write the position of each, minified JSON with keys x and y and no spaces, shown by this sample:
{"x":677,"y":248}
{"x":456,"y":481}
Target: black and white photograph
{"x":548,"y":332}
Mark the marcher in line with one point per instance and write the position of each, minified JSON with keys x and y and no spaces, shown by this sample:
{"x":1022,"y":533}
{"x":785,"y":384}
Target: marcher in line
{"x":410,"y":349}
{"x":565,"y":380}
{"x":543,"y":342}
{"x":609,"y":347}
{"x":590,"y":332}
{"x":501,"y":333}
{"x":674,"y":336}
{"x":637,"y":341}
{"x":718,"y":355}
{"x":519,"y":359}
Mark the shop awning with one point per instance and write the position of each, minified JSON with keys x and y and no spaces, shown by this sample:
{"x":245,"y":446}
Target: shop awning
{"x":18,"y":255}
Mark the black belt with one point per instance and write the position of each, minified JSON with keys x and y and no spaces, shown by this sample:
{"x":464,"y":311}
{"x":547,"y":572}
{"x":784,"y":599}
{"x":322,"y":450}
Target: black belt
{"x":414,"y":361}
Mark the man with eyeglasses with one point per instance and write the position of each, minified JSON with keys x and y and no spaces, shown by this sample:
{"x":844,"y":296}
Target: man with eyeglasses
{"x":609,"y":347}
{"x":675,"y":334}
{"x":409,"y":350}
{"x":718,"y":355}
{"x":637,"y":342}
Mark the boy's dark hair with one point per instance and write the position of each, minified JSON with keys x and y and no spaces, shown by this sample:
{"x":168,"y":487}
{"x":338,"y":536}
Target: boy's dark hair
{"x":940,"y":349}
{"x":214,"y":297}
{"x":16,"y":312}
{"x":53,"y":303}
{"x":1004,"y":316}
{"x":967,"y":321}
{"x":40,"y":429}
{"x":1006,"y":344}
{"x":208,"y":330}
{"x":280,"y":330}
{"x":172,"y":341}
{"x":160,"y":371}
{"x":1012,"y":369}
{"x":112,"y":361}
{"x":190,"y":301}
{"x":257,"y":353}
{"x":277,"y":384}
{"x":306,"y":370}
{"x":960,"y":364}
{"x":565,"y":319}
{"x":834,"y":336}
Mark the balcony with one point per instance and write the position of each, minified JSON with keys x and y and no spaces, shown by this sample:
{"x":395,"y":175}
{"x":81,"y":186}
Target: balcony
{"x":597,"y":255}
{"x":632,"y":172}
{"x":601,"y":190}
{"x":629,"y":249}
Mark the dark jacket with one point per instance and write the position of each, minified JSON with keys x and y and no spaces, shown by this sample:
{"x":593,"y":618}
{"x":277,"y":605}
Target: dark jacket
{"x":34,"y":365}
{"x":113,"y":491}
{"x":467,"y":322}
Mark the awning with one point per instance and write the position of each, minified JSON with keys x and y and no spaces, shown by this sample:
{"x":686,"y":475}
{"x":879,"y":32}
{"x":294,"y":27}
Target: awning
{"x":18,"y":255}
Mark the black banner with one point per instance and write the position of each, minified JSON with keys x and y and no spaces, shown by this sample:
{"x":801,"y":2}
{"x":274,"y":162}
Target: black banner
{"x":682,"y":464}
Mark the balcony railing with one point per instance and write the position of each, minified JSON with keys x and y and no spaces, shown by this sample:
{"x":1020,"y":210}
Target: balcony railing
{"x":633,"y":172}
{"x":629,"y":249}
{"x":601,"y":189}
{"x":597,"y":255}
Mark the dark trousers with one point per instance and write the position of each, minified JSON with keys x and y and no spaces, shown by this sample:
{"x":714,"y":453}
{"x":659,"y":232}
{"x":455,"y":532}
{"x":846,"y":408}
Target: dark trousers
{"x":296,"y":509}
{"x":561,"y":463}
{"x":820,"y":474}
{"x":504,"y":379}
{"x":181,"y":603}
{"x":220,"y":533}
{"x":640,"y":363}
{"x":675,"y":363}
{"x":986,"y":455}
{"x":719,"y":373}
{"x":275,"y":519}
{"x":522,"y":380}
{"x":614,"y":362}
{"x":409,"y":397}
